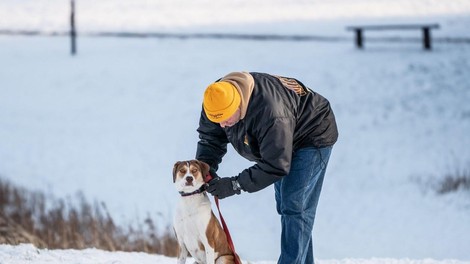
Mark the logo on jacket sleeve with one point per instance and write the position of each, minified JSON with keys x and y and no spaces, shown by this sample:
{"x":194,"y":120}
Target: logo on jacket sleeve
{"x":293,"y":85}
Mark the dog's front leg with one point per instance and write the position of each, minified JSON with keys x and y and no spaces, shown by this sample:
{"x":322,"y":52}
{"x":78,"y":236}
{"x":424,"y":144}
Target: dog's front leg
{"x":183,"y":254}
{"x":210,"y":255}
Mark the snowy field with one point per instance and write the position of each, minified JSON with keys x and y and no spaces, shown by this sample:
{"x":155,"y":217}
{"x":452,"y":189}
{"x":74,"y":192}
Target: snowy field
{"x":25,"y":254}
{"x":294,"y":16}
{"x":112,"y":121}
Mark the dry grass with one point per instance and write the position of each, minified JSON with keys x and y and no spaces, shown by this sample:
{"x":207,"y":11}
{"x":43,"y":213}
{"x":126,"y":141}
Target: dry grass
{"x":78,"y":224}
{"x":454,"y":182}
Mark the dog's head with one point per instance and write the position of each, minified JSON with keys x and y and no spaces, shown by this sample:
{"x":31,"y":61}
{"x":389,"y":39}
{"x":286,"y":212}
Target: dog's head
{"x":189,"y":175}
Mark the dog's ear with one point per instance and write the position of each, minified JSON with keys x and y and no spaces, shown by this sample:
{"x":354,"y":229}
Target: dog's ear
{"x":204,"y":168}
{"x":175,"y":168}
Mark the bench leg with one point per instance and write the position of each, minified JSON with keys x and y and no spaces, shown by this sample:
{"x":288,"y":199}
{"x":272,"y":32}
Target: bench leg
{"x":359,"y":39}
{"x":426,"y":38}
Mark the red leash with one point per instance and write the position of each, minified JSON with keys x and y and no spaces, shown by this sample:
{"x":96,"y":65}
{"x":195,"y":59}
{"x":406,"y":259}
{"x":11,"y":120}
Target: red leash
{"x":224,"y":225}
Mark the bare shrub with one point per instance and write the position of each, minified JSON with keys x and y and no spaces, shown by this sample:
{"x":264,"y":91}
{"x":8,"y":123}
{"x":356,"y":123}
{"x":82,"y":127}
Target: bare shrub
{"x":78,"y":224}
{"x":454,"y":182}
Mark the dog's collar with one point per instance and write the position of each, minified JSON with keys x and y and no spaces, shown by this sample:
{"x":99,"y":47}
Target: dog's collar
{"x":200,"y":190}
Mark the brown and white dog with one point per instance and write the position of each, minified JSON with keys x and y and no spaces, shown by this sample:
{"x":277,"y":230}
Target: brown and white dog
{"x":197,"y":229}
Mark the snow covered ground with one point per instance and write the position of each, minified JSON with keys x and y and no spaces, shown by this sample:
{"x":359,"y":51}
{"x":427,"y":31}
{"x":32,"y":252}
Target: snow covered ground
{"x":112,"y":121}
{"x":25,"y":254}
{"x":144,"y":15}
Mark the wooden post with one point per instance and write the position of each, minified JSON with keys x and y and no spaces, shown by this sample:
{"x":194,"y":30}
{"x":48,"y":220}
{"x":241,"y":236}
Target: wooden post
{"x":359,"y":38}
{"x":426,"y":38}
{"x":73,"y":33}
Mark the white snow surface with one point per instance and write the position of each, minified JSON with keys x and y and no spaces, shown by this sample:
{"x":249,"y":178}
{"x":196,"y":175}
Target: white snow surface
{"x":112,"y":121}
{"x":236,"y":16}
{"x":26,"y":253}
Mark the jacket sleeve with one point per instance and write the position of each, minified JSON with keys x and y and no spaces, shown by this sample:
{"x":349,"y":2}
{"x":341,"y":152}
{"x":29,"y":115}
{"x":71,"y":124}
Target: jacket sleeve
{"x":212,"y":144}
{"x":276,"y":140}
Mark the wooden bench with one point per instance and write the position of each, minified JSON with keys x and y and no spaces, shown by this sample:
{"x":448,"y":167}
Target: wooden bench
{"x":426,"y":28}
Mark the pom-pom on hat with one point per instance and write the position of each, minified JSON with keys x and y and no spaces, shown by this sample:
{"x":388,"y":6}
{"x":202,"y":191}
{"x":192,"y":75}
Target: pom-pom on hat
{"x":221,"y":101}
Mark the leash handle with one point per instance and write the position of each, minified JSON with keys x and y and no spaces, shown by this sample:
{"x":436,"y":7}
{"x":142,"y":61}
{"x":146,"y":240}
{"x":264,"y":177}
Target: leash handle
{"x":224,"y":225}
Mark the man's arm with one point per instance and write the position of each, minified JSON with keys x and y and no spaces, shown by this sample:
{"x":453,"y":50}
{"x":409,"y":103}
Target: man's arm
{"x":212,"y":144}
{"x":276,"y":146}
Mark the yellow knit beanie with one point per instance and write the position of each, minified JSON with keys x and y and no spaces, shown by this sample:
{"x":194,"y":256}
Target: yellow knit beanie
{"x":221,"y":101}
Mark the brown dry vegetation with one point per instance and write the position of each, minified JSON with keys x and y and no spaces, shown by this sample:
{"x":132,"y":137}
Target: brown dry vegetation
{"x":47,"y":222}
{"x":452,"y":182}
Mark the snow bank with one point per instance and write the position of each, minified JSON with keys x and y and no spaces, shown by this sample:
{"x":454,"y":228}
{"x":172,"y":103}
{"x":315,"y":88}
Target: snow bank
{"x":26,"y":253}
{"x":143,"y":15}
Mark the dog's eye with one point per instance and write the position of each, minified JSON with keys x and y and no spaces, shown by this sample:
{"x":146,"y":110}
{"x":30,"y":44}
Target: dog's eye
{"x":183,"y":171}
{"x":193,"y":171}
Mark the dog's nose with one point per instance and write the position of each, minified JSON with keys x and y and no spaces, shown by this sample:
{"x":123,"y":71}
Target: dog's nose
{"x":189,"y":179}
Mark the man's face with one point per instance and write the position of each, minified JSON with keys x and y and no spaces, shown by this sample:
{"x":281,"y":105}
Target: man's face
{"x":232,"y":120}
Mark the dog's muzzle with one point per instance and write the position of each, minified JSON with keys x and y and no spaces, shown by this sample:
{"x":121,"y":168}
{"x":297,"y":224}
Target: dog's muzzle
{"x":189,"y":180}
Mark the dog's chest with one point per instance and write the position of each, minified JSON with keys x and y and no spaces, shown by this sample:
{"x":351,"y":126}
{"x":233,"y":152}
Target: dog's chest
{"x":192,"y":217}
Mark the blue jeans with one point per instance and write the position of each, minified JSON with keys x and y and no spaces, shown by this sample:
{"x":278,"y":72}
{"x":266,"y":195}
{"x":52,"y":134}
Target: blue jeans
{"x":297,"y":197}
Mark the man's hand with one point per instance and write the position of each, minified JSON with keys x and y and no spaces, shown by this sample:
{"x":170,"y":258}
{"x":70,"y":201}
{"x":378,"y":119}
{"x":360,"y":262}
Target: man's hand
{"x":224,"y":187}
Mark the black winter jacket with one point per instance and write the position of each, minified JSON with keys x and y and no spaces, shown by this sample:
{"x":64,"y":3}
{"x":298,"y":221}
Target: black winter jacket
{"x":278,"y":121}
